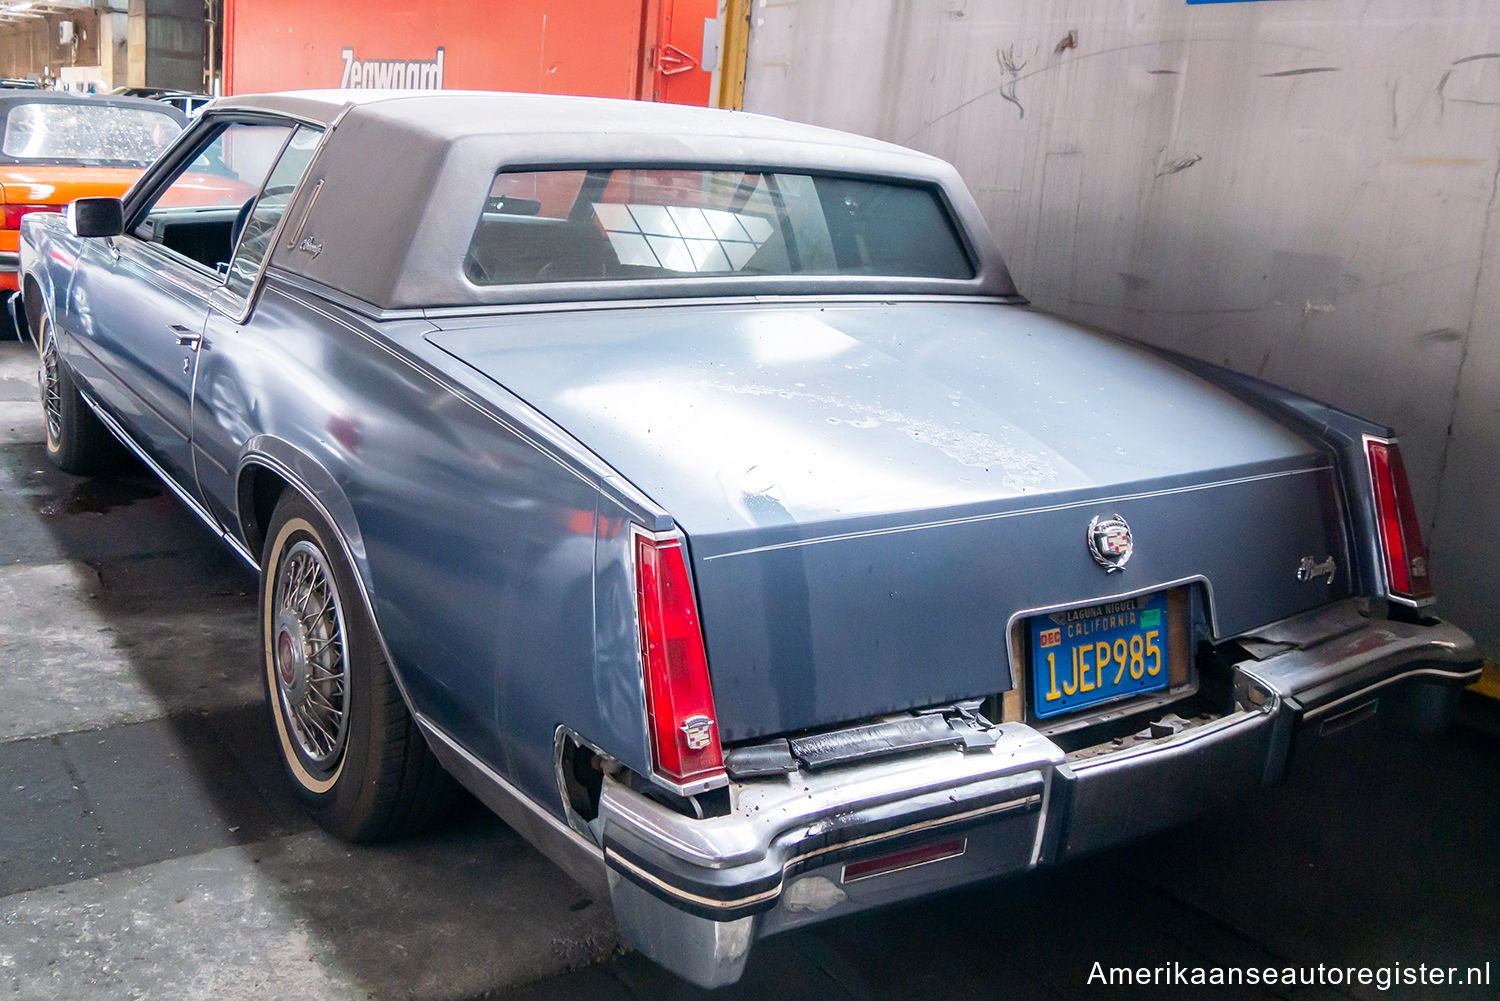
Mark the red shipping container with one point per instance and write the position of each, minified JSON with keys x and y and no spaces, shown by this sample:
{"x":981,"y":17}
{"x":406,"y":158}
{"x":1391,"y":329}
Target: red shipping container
{"x":647,"y":49}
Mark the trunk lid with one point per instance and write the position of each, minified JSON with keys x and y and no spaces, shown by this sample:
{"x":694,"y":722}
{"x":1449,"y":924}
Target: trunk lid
{"x":872,"y":492}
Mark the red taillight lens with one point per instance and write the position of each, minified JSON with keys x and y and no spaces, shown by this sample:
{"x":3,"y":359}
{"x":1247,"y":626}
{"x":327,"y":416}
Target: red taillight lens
{"x":679,"y":701}
{"x":908,"y":859}
{"x":1400,"y":532}
{"x":13,"y":213}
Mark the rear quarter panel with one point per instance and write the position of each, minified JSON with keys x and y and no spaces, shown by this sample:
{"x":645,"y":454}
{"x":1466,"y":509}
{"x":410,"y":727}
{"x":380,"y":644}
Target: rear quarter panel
{"x":477,"y":538}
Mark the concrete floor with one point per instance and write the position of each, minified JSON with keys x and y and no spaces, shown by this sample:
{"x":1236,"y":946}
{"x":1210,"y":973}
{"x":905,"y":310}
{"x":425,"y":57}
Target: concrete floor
{"x":148,"y":847}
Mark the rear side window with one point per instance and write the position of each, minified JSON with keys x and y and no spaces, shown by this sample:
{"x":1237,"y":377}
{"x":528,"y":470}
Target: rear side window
{"x":627,"y":223}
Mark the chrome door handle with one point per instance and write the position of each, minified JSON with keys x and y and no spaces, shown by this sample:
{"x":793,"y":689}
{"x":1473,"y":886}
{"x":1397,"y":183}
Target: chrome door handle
{"x":186,"y":337}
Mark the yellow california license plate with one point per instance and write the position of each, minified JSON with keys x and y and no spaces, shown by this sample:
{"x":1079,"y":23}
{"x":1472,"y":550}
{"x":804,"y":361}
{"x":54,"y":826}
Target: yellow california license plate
{"x":1082,"y":657}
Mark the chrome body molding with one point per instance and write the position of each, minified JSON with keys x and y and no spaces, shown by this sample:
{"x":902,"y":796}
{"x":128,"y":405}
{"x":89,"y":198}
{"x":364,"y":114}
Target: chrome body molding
{"x":1336,"y":653}
{"x":192,"y":503}
{"x":574,"y":854}
{"x":695,"y":894}
{"x":774,"y":817}
{"x":1025,"y":512}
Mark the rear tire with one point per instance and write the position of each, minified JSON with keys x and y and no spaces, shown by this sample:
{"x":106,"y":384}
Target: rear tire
{"x":348,"y":744}
{"x":76,"y":440}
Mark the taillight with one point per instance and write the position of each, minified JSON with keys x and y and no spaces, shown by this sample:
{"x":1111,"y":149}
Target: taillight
{"x":1400,"y":532}
{"x":13,"y":213}
{"x":679,"y":701}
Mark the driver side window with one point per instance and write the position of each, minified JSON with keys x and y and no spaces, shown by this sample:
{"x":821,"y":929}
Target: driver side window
{"x":199,"y":215}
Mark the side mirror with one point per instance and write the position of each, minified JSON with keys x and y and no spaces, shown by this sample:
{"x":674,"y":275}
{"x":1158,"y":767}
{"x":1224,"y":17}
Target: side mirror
{"x":96,"y":217}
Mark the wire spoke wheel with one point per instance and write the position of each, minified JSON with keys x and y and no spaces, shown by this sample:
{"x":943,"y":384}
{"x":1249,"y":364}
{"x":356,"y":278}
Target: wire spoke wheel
{"x":310,"y":656}
{"x":76,"y":440}
{"x":51,"y":390}
{"x":349,"y":745}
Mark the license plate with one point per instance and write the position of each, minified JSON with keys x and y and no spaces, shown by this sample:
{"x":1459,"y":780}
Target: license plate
{"x":1081,"y":657}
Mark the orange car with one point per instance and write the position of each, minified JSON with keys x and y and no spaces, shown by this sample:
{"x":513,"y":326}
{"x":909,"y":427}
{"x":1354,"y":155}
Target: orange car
{"x":55,"y":147}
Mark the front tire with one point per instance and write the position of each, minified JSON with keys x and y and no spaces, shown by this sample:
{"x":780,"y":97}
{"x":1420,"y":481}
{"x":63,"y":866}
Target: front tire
{"x":76,"y":440}
{"x":347,"y":742}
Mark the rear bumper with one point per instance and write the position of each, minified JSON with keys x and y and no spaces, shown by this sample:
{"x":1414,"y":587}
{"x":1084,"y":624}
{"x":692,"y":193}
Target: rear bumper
{"x":695,"y":894}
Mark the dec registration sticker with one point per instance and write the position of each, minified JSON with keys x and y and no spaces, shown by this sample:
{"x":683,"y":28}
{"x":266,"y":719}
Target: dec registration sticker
{"x":1084,"y":656}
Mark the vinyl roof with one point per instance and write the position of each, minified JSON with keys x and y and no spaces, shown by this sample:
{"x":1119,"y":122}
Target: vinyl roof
{"x":454,"y":114}
{"x":402,"y":178}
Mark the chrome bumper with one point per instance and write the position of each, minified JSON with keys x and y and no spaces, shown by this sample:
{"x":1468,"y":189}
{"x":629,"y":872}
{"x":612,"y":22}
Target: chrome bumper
{"x":17,"y":313}
{"x":695,"y":894}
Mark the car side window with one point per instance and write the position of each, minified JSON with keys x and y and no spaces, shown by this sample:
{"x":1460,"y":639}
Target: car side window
{"x":199,"y":214}
{"x":254,"y":238}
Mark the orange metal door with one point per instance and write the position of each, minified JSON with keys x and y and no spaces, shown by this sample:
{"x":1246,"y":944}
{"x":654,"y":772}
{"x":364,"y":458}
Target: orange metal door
{"x":685,"y":52}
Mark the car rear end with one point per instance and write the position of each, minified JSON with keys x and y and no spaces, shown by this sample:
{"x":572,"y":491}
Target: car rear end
{"x":988,"y":592}
{"x":55,"y":148}
{"x":919,"y":587}
{"x":870,"y":709}
{"x":1124,"y":712}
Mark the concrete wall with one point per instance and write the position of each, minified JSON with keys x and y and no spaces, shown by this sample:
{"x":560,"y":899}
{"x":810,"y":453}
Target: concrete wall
{"x":32,"y":46}
{"x":1304,"y":190}
{"x":166,"y":41}
{"x":114,"y":58}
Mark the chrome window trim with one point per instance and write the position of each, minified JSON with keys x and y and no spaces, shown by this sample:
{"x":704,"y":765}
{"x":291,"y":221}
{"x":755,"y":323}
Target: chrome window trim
{"x":153,"y":183}
{"x":659,"y":302}
{"x":231,"y":304}
{"x":160,"y":262}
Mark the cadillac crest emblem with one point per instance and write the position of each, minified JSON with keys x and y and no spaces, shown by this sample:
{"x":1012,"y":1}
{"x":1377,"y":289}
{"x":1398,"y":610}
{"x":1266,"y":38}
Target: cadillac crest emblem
{"x":1110,"y":543}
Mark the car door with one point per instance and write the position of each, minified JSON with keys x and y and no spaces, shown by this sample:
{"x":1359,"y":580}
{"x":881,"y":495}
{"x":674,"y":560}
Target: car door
{"x":228,"y":406}
{"x":151,"y":298}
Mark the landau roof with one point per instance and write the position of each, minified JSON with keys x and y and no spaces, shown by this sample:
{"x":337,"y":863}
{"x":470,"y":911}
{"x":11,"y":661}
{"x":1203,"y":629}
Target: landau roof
{"x":388,"y":206}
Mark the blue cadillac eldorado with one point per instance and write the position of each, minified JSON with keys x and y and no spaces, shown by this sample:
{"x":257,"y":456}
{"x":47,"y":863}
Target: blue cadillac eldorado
{"x":696,"y":489}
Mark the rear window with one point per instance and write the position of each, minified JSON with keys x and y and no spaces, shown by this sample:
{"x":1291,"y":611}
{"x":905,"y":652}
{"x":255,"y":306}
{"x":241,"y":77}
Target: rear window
{"x":630,"y":223}
{"x":86,"y":133}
